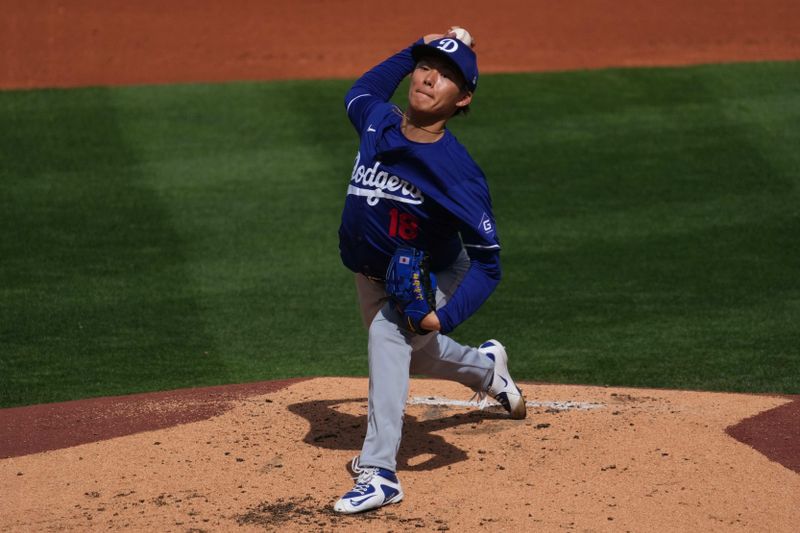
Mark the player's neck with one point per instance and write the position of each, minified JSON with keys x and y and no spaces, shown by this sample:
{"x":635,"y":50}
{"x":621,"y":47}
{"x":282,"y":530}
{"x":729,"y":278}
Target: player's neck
{"x":422,"y":129}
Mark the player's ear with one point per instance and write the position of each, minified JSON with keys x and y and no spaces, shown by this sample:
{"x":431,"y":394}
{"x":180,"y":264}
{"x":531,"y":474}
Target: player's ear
{"x":464,"y":99}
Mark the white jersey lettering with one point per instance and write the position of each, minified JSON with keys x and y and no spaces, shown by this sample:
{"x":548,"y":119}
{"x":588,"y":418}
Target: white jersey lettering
{"x":375,"y":184}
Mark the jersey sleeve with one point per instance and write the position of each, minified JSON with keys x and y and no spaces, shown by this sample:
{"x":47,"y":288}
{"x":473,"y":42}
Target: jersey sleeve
{"x":377,"y":86}
{"x":481,"y":242}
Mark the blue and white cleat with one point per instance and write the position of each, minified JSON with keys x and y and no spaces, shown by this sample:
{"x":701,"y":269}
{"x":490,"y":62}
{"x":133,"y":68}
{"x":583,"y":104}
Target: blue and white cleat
{"x":375,"y":487}
{"x":503,"y":388}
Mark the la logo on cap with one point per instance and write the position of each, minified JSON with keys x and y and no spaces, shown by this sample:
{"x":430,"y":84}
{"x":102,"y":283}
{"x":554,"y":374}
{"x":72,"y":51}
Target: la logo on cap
{"x":448,"y":45}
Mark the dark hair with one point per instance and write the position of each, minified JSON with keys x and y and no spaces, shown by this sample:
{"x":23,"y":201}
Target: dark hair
{"x":463,"y":110}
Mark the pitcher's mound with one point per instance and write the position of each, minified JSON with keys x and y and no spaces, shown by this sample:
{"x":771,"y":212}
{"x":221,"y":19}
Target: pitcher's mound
{"x":585,"y":458}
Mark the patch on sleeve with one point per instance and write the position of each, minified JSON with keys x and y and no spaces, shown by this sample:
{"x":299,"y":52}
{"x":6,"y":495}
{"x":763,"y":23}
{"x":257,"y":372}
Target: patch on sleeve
{"x":486,"y":225}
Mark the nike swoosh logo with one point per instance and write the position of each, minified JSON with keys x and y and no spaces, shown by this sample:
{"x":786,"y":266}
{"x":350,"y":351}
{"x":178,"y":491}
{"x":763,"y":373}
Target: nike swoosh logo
{"x":504,"y":380}
{"x":370,"y":129}
{"x":356,"y":503}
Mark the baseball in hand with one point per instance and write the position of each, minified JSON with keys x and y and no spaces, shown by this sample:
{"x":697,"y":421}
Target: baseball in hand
{"x":462,"y":35}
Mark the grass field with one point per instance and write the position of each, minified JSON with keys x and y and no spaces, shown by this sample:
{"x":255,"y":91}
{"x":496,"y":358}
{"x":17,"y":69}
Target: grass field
{"x":170,"y":236}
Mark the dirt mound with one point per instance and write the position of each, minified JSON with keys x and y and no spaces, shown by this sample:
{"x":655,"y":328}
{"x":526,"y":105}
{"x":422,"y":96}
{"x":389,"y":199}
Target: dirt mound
{"x":585,"y":458}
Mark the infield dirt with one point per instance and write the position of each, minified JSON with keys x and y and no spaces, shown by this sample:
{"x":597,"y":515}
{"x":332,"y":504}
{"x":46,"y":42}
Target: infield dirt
{"x":586,"y":458}
{"x":53,"y":43}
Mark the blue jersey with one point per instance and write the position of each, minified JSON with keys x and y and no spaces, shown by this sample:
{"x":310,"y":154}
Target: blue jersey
{"x":431,"y":196}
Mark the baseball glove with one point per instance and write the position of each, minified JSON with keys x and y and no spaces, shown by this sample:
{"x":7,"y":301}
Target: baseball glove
{"x":411,"y":286}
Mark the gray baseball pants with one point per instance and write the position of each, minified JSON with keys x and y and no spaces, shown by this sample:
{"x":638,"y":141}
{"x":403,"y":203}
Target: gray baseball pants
{"x":395,"y":353}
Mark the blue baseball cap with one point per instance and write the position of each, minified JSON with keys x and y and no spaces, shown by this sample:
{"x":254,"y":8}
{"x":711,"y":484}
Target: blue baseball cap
{"x":454,"y":51}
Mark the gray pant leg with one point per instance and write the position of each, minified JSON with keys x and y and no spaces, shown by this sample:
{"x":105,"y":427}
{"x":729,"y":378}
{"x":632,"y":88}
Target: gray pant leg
{"x":448,"y":359}
{"x":393,"y":352}
{"x":389,"y":360}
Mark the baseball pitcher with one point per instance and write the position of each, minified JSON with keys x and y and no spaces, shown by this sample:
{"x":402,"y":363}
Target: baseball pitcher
{"x":419,"y":233}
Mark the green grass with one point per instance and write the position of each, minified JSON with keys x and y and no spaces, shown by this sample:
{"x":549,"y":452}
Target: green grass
{"x":170,"y":236}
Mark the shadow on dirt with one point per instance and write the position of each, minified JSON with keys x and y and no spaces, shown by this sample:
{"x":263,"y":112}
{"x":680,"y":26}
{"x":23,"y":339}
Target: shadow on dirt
{"x":336,"y":430}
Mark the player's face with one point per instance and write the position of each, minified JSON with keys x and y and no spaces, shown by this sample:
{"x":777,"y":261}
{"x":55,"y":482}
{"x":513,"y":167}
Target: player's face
{"x":437,"y":88}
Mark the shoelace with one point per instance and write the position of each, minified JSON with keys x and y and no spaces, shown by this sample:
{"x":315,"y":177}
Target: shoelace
{"x":363,"y":479}
{"x":363,"y":474}
{"x":355,"y":466}
{"x":483,"y":399}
